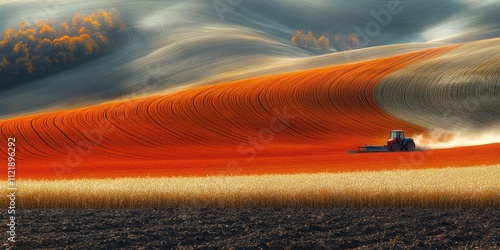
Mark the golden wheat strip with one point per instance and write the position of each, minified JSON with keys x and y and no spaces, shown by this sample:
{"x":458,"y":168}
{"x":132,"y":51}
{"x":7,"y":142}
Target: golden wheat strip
{"x":445,"y":188}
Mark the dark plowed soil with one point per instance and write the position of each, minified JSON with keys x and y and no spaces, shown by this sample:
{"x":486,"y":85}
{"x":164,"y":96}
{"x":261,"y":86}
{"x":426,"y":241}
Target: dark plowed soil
{"x":276,"y":228}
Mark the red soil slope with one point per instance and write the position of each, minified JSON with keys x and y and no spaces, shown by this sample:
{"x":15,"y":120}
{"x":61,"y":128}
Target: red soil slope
{"x":289,"y":123}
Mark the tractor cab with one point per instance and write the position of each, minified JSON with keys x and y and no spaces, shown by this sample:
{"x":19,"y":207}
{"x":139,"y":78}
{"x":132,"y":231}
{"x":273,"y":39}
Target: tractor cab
{"x":399,"y":135}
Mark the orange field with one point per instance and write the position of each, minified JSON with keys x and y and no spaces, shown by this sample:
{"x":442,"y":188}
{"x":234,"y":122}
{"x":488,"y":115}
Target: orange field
{"x":300,"y":122}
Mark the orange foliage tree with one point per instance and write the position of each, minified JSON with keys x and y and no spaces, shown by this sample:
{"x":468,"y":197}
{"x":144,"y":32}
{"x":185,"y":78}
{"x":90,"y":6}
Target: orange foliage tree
{"x":342,"y":42}
{"x":324,"y":43}
{"x":37,"y":49}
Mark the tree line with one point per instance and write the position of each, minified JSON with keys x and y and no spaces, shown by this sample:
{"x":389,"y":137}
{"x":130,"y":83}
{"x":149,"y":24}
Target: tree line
{"x":339,"y":42}
{"x":37,"y":49}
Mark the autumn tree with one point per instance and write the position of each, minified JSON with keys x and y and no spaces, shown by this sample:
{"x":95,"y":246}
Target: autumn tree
{"x":342,"y":42}
{"x":298,"y":39}
{"x":324,"y":43}
{"x":353,"y":40}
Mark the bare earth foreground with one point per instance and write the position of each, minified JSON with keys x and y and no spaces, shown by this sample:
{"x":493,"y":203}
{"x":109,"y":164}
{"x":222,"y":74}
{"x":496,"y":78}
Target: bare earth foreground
{"x":268,"y":228}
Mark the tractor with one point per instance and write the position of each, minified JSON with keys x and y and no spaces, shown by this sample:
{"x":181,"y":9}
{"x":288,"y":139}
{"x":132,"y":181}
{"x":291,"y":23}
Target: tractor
{"x":397,"y":142}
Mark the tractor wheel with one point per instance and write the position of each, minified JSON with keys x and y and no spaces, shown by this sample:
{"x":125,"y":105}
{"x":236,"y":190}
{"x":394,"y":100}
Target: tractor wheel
{"x":410,"y":146}
{"x":396,"y":147}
